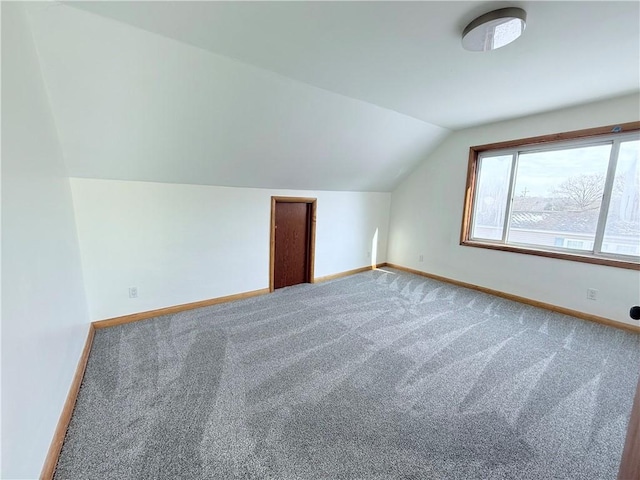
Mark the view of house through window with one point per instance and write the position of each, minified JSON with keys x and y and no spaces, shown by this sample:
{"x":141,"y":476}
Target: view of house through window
{"x":581,"y":196}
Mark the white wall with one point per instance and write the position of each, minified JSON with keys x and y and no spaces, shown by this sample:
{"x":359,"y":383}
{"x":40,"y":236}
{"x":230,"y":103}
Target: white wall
{"x":44,"y":314}
{"x":133,"y":105}
{"x":182,"y":243}
{"x":426,"y":216}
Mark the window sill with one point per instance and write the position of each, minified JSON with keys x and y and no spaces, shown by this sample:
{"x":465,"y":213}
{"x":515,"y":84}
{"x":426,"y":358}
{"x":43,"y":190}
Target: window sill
{"x":574,"y":257}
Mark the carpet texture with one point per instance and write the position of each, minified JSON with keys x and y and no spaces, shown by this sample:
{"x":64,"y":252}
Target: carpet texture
{"x":381,"y":375}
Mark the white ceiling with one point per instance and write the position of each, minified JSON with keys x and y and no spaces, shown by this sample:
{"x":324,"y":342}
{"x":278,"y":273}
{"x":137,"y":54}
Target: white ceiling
{"x":130,"y":105}
{"x":302,"y":95}
{"x":407,"y":56}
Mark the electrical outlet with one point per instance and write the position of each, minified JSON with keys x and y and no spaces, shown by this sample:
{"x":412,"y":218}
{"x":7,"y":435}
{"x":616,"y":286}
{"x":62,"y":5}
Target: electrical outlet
{"x":592,"y":294}
{"x":421,"y":258}
{"x":368,"y":254}
{"x":133,"y":292}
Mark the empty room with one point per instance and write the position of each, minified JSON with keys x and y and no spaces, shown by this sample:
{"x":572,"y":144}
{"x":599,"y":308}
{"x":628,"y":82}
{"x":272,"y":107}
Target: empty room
{"x":320,"y":240}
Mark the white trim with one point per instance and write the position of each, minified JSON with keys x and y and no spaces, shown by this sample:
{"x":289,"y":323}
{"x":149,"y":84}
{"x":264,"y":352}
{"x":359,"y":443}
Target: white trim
{"x":606,"y":196}
{"x":509,"y":206}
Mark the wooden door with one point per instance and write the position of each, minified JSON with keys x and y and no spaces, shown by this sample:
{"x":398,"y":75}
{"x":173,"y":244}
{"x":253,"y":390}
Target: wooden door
{"x":292,"y":240}
{"x":630,"y":463}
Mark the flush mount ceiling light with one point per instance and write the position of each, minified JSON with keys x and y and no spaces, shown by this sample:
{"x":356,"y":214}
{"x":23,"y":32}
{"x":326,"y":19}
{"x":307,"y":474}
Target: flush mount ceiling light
{"x":494,"y":29}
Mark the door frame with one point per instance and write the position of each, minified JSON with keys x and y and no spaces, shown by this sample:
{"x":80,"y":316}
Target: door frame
{"x":311,"y":245}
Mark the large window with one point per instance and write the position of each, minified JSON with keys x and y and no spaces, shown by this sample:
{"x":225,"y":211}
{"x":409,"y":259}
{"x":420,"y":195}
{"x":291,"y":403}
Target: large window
{"x":574,"y":196}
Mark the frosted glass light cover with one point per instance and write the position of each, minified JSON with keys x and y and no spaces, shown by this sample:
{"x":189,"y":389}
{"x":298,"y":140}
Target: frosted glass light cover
{"x":494,"y":29}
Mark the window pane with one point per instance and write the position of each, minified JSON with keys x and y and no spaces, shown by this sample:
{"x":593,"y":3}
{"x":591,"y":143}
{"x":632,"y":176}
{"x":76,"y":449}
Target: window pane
{"x":557,"y":196}
{"x":491,"y":197}
{"x":622,"y":231}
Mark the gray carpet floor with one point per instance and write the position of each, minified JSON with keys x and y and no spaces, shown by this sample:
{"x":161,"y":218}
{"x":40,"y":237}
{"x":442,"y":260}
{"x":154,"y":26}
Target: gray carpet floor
{"x":381,"y":375}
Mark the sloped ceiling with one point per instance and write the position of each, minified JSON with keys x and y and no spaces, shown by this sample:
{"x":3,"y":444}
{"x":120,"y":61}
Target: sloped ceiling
{"x":307,"y":95}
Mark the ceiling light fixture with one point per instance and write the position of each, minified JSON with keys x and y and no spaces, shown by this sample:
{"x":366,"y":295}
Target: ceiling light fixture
{"x":494,"y":29}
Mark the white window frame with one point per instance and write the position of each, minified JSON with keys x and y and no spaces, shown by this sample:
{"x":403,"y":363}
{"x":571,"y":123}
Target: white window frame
{"x":611,"y":135}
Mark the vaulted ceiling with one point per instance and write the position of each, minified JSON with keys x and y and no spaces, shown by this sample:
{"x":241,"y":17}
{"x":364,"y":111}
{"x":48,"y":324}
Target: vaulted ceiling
{"x":307,"y":95}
